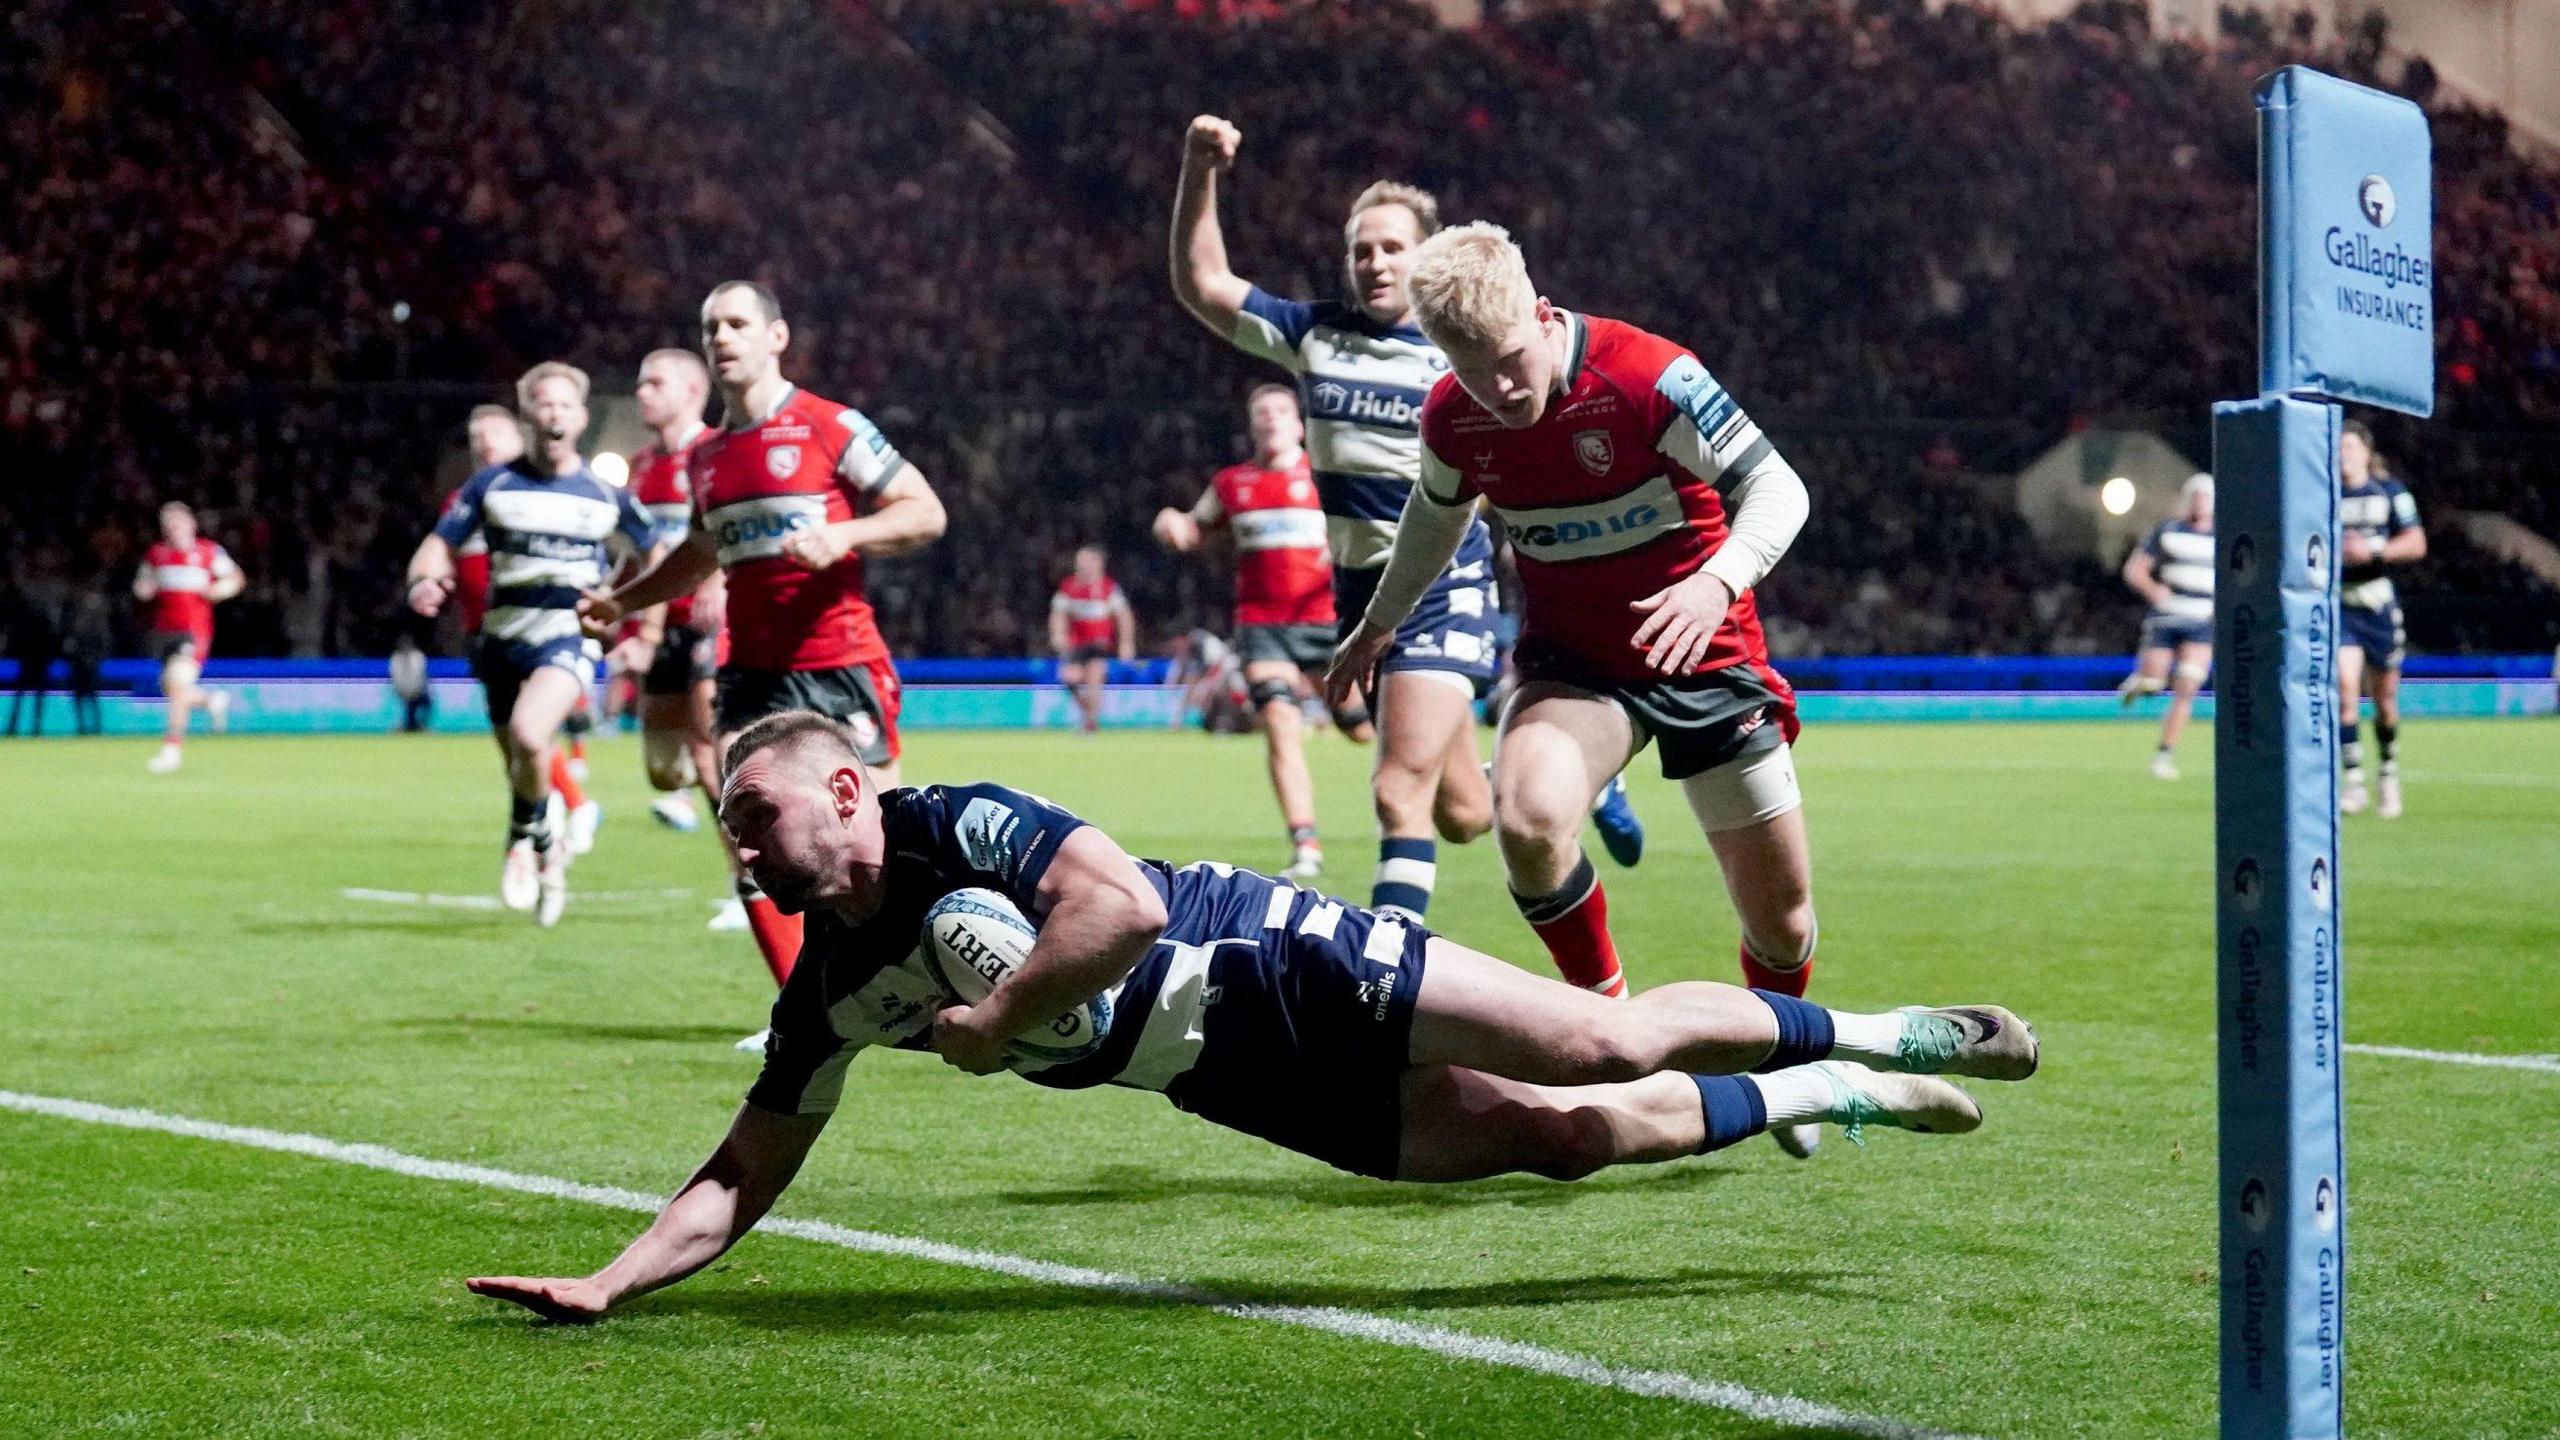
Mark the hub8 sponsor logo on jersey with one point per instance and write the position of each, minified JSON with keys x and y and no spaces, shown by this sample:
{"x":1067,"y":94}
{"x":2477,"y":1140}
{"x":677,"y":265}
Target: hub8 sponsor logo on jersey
{"x":755,"y":529}
{"x":1359,"y":403}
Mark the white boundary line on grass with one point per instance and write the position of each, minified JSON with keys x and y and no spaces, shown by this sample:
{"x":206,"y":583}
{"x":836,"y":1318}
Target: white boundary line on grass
{"x":1356,"y":1324}
{"x":490,"y":902}
{"x":2548,"y":1064}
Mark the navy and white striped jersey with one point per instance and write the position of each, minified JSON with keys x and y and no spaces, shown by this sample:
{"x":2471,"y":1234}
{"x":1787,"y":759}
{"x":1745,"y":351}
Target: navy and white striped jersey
{"x":872,"y":984}
{"x":2182,"y":560}
{"x":551,"y":538}
{"x":1362,"y":385}
{"x":2376,"y":510}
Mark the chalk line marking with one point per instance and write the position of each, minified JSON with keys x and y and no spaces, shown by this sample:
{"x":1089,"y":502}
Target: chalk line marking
{"x":2548,"y":1064}
{"x":490,"y":902}
{"x":1355,"y":1324}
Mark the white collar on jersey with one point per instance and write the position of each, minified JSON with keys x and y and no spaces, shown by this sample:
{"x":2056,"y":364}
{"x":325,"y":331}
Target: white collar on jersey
{"x":1571,"y":375}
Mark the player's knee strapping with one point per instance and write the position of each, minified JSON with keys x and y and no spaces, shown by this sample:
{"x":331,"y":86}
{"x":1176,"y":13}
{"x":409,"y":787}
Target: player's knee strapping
{"x":2194,"y":672}
{"x":1268,"y":691}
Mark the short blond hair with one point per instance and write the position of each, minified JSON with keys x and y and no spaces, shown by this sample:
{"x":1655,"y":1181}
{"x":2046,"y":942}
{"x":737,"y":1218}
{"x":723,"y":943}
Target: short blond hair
{"x":532,"y":380}
{"x":1425,"y":208}
{"x":1470,"y":283}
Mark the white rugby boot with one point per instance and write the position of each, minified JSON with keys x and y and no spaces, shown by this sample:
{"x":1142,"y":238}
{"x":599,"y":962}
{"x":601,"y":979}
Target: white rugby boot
{"x":582,"y":826}
{"x":1986,"y":1042}
{"x":519,"y":879}
{"x":2164,"y":766}
{"x":552,"y":881}
{"x":2352,"y":797}
{"x":1861,"y":1097}
{"x":2386,"y":804}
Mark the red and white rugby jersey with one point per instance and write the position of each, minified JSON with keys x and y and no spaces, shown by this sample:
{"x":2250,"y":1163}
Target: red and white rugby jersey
{"x":1616,"y":492}
{"x":660,"y":484}
{"x":184,"y":575}
{"x":1284,"y":575}
{"x":809,"y":462}
{"x":1091,"y":608}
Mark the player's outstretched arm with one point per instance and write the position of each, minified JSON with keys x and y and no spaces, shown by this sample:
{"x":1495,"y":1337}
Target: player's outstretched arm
{"x":1098,"y":917}
{"x":723,"y":1201}
{"x":1202,"y":280}
{"x":1182,"y":531}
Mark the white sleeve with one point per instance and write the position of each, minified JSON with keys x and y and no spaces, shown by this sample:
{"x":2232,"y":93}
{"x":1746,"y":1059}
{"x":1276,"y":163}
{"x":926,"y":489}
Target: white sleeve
{"x":1427,"y":538}
{"x":1765,"y":506}
{"x":1710,"y":437}
{"x":223,"y":564}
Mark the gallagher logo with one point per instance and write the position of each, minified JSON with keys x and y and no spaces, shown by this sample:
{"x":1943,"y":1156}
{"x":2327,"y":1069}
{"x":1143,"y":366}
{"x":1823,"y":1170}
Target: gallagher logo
{"x":2374,"y":198}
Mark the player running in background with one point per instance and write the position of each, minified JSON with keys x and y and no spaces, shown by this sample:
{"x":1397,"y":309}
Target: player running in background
{"x":1356,"y":1038}
{"x":2172,"y":570}
{"x":790,"y":496}
{"x":551,"y":527}
{"x":497,"y":438}
{"x":2378,"y":528}
{"x":1090,"y":623}
{"x":673,"y":650}
{"x":1642,"y":505}
{"x":1284,"y":594}
{"x":1363,"y":371}
{"x":182,"y":578}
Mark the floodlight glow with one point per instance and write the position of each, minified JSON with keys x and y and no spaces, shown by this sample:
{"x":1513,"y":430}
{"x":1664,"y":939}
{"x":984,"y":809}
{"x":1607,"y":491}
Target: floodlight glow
{"x":2116,"y":496}
{"x":615,"y":471}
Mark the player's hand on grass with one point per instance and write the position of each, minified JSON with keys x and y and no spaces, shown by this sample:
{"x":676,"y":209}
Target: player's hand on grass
{"x":1355,"y":664}
{"x":598,"y":613}
{"x":1680,"y":622}
{"x":427,"y":596}
{"x":1211,"y":144}
{"x":961,"y":1039}
{"x":565,"y":1301}
{"x":814,"y":548}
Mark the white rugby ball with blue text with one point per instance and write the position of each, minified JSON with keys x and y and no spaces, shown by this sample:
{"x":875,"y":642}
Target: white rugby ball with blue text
{"x":973,"y":939}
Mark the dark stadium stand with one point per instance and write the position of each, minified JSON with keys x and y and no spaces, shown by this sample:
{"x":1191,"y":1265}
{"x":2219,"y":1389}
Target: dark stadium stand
{"x":264,"y":255}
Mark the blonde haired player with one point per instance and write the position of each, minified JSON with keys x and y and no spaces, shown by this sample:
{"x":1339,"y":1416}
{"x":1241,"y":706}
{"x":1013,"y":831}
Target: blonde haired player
{"x":552,"y":526}
{"x":182,"y":578}
{"x":1642,"y":505}
{"x":1363,"y":369}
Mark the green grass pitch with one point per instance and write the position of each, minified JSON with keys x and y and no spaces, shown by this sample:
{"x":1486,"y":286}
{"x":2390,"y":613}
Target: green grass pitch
{"x":183,"y":944}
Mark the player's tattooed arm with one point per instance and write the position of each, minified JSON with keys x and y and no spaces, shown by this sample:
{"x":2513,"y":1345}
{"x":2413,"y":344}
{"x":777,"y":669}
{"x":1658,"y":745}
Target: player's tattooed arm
{"x":723,"y":1201}
{"x":1202,"y":280}
{"x":1098,"y":916}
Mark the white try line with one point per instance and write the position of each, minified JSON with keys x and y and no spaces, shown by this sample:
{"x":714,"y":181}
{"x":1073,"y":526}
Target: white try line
{"x":1356,"y":1324}
{"x":490,"y":902}
{"x":2548,"y":1064}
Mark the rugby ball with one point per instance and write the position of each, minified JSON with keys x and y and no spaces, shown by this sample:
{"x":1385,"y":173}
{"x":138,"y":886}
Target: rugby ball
{"x":973,"y":939}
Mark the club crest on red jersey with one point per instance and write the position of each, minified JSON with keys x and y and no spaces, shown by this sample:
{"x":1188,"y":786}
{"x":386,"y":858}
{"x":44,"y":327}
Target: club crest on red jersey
{"x":1593,"y":449}
{"x":782,"y":461}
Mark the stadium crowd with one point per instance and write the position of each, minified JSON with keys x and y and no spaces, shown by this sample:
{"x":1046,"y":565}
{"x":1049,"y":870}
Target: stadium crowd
{"x":264,"y":255}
